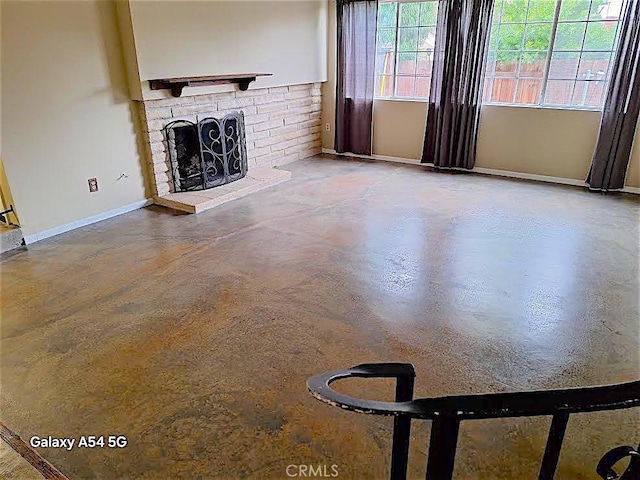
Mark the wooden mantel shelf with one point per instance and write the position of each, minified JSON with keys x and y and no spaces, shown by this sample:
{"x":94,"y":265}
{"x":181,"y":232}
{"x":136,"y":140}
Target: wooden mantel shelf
{"x":178,"y":83}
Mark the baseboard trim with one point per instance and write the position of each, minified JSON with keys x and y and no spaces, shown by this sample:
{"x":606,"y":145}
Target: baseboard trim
{"x":373,"y":157}
{"x":530,"y":176}
{"x":485,"y":171}
{"x":36,"y":237}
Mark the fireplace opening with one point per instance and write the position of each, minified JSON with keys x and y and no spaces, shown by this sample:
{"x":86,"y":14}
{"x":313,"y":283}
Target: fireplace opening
{"x":206,"y":154}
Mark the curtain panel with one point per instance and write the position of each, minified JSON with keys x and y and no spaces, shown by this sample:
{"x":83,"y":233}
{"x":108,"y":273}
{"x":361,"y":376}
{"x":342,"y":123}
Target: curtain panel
{"x":453,"y":113}
{"x":355,"y":75}
{"x":620,"y":114}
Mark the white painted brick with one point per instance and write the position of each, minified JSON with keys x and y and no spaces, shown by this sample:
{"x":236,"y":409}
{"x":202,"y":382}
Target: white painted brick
{"x":316,"y":85}
{"x":296,"y":119}
{"x":154,"y":125}
{"x":296,"y":94}
{"x":157,"y":147}
{"x":155,"y":113}
{"x":265,"y":160}
{"x":309,"y":123}
{"x":309,"y":152}
{"x":162,"y":177}
{"x":252,"y":137}
{"x":213,"y":97}
{"x":272,"y":107}
{"x":262,"y":162}
{"x":256,"y":119}
{"x":286,"y":159}
{"x":271,"y":98}
{"x":278,"y":89}
{"x":267,"y":125}
{"x":192,"y":109}
{"x":309,"y":138}
{"x":163,"y":189}
{"x":256,"y":152}
{"x":283,"y":130}
{"x":301,"y":102}
{"x":283,"y":145}
{"x":273,"y":136}
{"x":161,"y":123}
{"x":280,"y":114}
{"x":304,"y":147}
{"x":156,"y":136}
{"x":159,"y":157}
{"x":293,"y":88}
{"x":252,"y":93}
{"x":168,"y":102}
{"x":160,"y":167}
{"x":248,"y":111}
{"x":236,"y":103}
{"x":302,"y":110}
{"x":265,"y":142}
{"x":296,"y":133}
{"x":294,"y":149}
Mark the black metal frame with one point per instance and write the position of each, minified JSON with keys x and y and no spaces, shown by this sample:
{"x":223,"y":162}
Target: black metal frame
{"x":5,"y":219}
{"x":231,"y":141}
{"x":446,"y":414}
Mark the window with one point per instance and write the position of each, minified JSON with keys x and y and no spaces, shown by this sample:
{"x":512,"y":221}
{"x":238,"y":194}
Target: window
{"x":550,"y":52}
{"x":541,"y":52}
{"x":404,"y":49}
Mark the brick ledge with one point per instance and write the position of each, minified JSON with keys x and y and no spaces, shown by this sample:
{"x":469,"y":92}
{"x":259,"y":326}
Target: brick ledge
{"x":201,"y":200}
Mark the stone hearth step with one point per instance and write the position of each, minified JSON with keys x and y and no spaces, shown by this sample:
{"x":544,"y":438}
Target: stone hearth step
{"x":200,"y":200}
{"x":10,"y":238}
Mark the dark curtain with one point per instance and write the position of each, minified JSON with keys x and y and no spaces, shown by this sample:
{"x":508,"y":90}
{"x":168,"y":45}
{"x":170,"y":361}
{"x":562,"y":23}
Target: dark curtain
{"x":462,"y":35}
{"x":355,"y":75}
{"x":620,"y":114}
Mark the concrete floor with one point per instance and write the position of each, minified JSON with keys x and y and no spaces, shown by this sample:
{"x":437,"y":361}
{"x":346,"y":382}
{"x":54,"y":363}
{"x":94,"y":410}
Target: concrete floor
{"x":193,"y":335}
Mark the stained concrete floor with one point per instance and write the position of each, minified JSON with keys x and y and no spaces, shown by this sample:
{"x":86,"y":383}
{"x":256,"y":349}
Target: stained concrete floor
{"x":193,"y":335}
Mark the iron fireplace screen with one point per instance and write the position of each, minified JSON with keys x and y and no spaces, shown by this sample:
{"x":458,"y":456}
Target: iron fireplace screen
{"x":207,"y":154}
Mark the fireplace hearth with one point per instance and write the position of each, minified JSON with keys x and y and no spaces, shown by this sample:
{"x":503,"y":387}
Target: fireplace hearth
{"x":206,"y":154}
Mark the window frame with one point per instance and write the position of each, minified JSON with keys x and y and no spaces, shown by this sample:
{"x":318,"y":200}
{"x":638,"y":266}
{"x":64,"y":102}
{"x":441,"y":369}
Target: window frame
{"x":396,"y":55}
{"x":555,"y":22}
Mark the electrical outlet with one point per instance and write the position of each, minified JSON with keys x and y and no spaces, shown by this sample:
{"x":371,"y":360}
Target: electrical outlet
{"x":327,"y":127}
{"x":93,"y":185}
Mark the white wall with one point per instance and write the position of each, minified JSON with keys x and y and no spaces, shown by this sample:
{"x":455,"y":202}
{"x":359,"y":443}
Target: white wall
{"x":66,"y":112}
{"x":191,"y":38}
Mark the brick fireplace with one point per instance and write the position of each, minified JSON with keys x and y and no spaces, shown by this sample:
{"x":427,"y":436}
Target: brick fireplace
{"x":282,"y":125}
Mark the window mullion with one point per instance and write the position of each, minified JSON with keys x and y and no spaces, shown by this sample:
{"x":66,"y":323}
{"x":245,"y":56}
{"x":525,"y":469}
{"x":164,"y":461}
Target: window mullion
{"x":495,"y":62}
{"x":395,"y":53}
{"x":552,"y":42}
{"x":520,"y":58}
{"x":584,"y":37}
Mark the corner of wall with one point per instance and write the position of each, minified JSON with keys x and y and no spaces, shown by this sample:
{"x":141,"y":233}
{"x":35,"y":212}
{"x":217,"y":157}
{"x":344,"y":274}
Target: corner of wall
{"x":329,"y":87}
{"x":127,"y":39}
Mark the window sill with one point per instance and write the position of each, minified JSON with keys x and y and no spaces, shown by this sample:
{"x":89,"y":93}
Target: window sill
{"x":543,"y":107}
{"x":507,"y":105}
{"x":400,"y":99}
